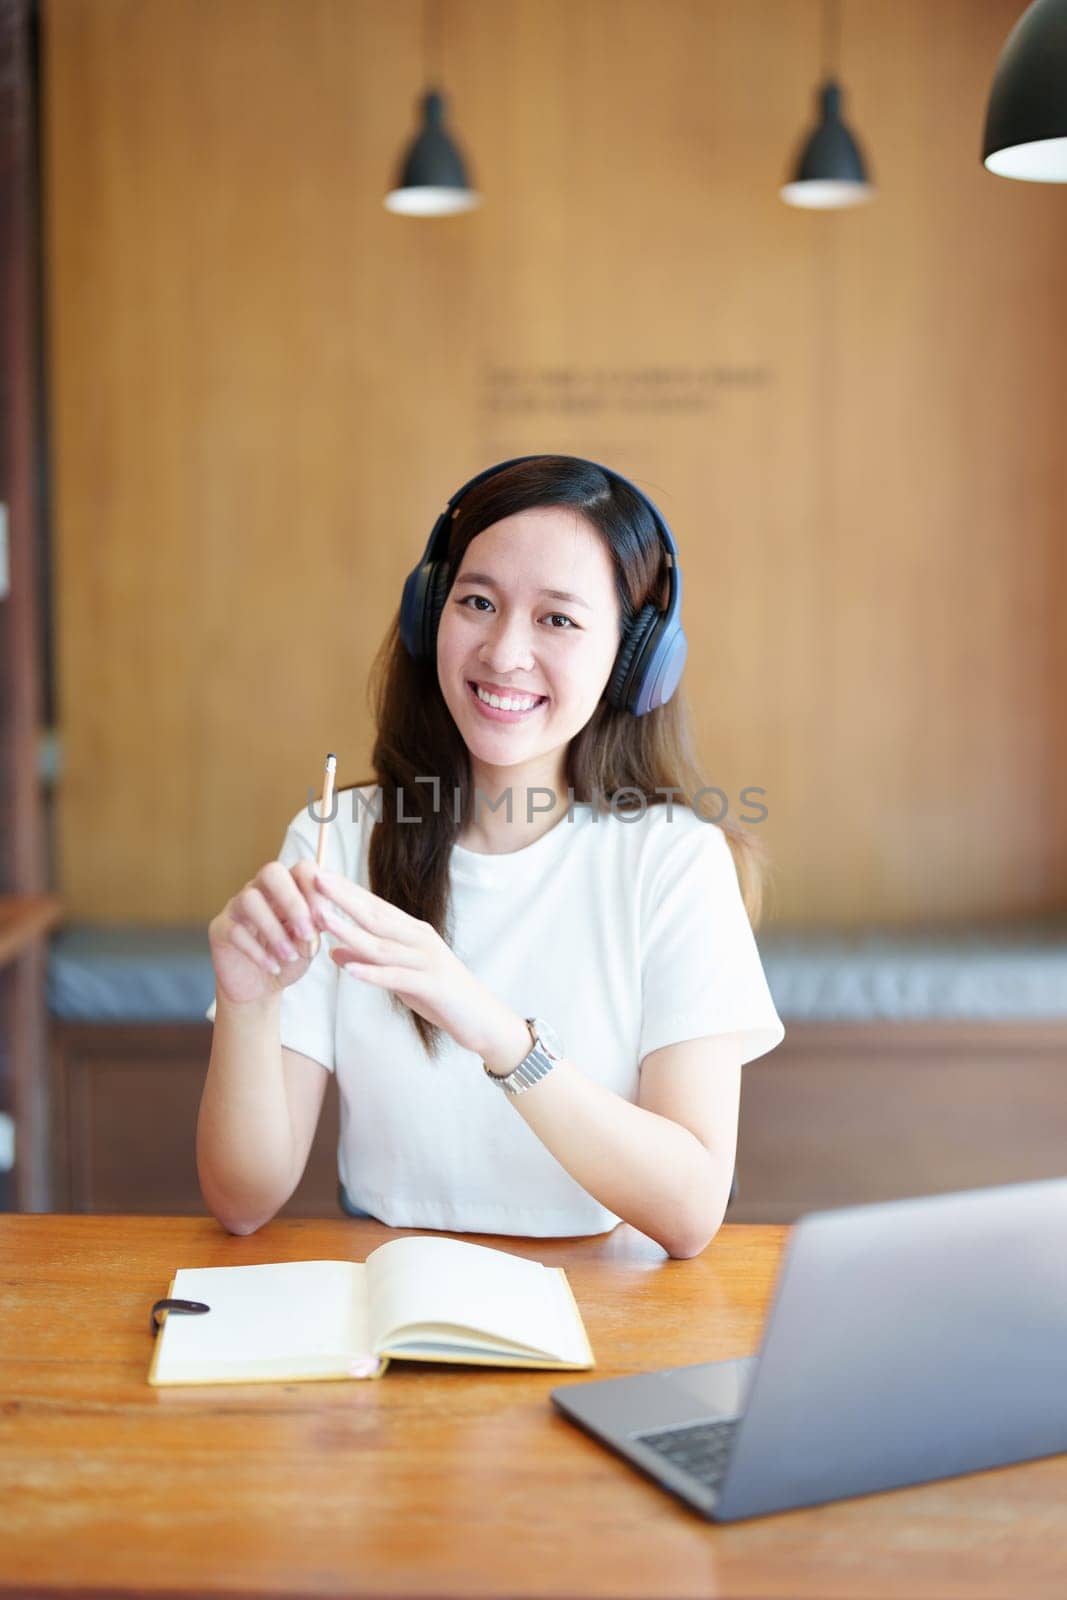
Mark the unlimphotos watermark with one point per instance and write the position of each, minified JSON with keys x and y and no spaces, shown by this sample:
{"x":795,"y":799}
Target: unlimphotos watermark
{"x":627,"y":804}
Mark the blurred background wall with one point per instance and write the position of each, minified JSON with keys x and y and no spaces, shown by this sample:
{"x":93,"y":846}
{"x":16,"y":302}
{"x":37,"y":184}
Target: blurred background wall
{"x":259,"y":388}
{"x":264,"y":387}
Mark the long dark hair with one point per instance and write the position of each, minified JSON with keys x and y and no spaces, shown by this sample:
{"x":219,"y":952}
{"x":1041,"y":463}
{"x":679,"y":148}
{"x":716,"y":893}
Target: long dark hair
{"x":416,"y":736}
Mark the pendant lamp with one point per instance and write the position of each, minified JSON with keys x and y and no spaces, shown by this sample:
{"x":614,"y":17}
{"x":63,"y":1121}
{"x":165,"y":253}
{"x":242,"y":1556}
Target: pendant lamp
{"x":829,"y":172}
{"x":432,"y":177}
{"x":1026,"y":119}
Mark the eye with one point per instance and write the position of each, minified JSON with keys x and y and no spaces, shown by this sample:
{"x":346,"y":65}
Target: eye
{"x":571,"y":624}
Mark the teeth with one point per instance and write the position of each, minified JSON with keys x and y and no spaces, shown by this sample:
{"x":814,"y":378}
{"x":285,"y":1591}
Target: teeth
{"x":504,"y":703}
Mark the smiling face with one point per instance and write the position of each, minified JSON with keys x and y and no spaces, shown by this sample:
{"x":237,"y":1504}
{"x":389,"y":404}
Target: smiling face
{"x":504,"y":630}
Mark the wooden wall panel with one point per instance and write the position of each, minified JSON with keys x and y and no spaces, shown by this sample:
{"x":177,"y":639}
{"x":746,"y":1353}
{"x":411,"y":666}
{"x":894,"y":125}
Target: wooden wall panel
{"x":264,"y":386}
{"x":853,"y":1113}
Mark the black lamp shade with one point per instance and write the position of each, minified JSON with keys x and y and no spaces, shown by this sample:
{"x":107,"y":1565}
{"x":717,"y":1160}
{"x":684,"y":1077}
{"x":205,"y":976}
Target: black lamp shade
{"x":830,"y":170}
{"x":831,"y":152}
{"x":432,"y":179}
{"x":1026,"y":119}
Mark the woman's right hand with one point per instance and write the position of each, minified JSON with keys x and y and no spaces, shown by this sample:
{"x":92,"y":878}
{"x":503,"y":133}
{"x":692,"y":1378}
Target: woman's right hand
{"x":264,"y":939}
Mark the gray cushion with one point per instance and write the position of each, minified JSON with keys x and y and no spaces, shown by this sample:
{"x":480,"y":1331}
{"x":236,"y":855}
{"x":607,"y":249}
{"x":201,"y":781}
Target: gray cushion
{"x":1003,"y":973}
{"x":130,"y":974}
{"x":1015,"y":972}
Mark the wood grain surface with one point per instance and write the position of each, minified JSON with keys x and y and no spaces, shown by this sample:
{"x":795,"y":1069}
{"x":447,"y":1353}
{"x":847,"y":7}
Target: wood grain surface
{"x":264,"y":387}
{"x":432,"y":1481}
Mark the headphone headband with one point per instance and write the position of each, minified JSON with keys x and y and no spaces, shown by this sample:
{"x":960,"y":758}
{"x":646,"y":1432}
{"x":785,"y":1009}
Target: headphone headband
{"x":653,"y":650}
{"x":437,"y":544}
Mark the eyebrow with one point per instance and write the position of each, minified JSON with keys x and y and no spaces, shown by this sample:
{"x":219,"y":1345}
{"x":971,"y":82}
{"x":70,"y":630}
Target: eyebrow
{"x":553,"y":594}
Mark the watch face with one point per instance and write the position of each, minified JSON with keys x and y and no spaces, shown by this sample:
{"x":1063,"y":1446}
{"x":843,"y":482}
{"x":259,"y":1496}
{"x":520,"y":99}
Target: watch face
{"x":549,"y":1038}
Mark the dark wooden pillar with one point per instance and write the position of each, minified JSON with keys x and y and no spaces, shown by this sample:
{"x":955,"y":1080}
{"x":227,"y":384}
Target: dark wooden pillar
{"x":23,"y":858}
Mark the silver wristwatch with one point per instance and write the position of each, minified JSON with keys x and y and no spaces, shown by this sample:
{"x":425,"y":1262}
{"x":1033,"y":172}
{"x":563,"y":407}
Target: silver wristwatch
{"x":547,"y":1050}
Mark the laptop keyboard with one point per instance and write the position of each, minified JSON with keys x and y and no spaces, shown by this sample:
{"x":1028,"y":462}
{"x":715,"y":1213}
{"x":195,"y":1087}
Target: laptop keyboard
{"x":701,"y":1448}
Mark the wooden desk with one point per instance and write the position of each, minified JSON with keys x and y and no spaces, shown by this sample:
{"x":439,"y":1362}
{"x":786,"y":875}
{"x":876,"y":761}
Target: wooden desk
{"x":433,"y":1481}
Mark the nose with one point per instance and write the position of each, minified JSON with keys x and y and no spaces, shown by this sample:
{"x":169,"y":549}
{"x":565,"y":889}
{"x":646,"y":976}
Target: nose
{"x":507,"y":646}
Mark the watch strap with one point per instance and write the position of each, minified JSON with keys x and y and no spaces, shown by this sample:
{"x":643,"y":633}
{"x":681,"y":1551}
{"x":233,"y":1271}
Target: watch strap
{"x":530,"y":1070}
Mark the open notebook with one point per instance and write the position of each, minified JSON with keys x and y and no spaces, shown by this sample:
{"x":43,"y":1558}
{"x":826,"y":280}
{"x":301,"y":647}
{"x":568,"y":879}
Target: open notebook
{"x":413,"y":1299}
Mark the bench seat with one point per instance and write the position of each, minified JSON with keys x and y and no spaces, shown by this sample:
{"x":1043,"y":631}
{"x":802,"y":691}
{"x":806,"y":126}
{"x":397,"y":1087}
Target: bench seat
{"x":995,"y":973}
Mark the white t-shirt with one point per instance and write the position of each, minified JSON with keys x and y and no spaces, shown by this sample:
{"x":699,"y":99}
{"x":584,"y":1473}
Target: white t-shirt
{"x":624,"y":934}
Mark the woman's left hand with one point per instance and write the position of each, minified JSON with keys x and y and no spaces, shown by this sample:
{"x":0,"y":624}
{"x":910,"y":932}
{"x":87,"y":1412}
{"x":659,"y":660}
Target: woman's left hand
{"x":385,"y":946}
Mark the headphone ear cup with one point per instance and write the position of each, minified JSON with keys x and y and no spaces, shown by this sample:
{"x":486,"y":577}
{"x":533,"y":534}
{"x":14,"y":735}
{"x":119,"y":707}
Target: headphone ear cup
{"x":630,"y":653}
{"x":425,"y":590}
{"x":437,"y":587}
{"x":412,"y":603}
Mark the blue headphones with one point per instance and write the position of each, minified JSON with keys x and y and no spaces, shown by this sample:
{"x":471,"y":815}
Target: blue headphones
{"x":653,"y":649}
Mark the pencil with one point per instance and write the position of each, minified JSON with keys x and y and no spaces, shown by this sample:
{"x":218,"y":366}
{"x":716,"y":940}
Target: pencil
{"x":325,"y":808}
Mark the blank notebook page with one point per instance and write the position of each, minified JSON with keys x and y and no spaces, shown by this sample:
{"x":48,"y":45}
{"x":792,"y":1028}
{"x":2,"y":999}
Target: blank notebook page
{"x":446,"y":1281}
{"x":292,"y":1309}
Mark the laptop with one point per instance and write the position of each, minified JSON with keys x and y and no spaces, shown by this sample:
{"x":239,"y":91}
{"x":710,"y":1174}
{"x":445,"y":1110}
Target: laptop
{"x":906,"y":1341}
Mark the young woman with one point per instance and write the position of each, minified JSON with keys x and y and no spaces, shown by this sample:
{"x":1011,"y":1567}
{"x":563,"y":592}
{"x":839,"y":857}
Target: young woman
{"x":537,"y":980}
